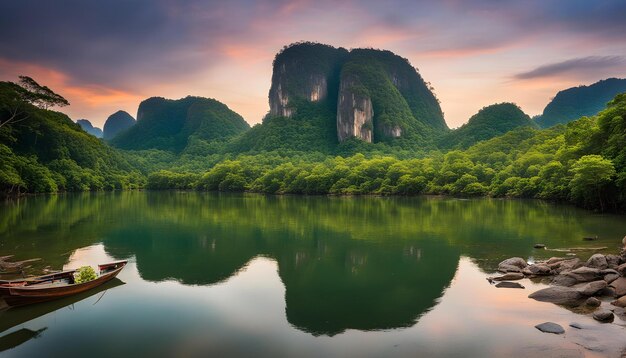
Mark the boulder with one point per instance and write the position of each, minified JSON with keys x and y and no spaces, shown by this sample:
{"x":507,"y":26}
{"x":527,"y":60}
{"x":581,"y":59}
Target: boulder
{"x":508,"y":268}
{"x":620,"y":302}
{"x":564,"y":280}
{"x":593,"y":302}
{"x":514,"y":261}
{"x":603,"y":315}
{"x":597,"y":261}
{"x":592,"y":288}
{"x":622,"y":269}
{"x":585,"y":274}
{"x":511,"y":276}
{"x":507,"y":284}
{"x":558,"y":295}
{"x":620,"y":286}
{"x":569,"y":264}
{"x":610,"y":277}
{"x":612,"y":261}
{"x":538,"y":270}
{"x":550,"y":327}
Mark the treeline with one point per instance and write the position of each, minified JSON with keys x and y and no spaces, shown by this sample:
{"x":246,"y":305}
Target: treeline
{"x":583,"y":162}
{"x":43,"y":151}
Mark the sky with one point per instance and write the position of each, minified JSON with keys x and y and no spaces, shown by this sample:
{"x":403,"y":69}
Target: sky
{"x":109,"y":55}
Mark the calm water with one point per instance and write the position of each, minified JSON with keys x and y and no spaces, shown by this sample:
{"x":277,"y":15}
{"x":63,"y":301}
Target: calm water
{"x":297,"y":276}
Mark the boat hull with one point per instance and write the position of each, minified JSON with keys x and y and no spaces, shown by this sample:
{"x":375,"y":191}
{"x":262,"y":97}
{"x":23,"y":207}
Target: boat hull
{"x":25,"y":295}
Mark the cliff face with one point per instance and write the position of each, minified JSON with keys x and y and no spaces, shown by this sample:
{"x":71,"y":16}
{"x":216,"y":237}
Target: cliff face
{"x":89,"y":128}
{"x":355,"y":112}
{"x":116,"y":123}
{"x":376,"y":95}
{"x":303,"y":72}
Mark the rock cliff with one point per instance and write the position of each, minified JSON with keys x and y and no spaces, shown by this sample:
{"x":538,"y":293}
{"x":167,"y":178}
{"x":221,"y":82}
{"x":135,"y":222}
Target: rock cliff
{"x":306,"y":71}
{"x":376,"y":95}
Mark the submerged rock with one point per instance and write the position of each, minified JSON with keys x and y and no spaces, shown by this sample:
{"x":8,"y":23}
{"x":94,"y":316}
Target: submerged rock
{"x":511,"y":276}
{"x":539,"y":246}
{"x":576,"y":325}
{"x":558,"y":295}
{"x":550,"y":327}
{"x":507,"y":284}
{"x":593,"y":302}
{"x":603,"y":316}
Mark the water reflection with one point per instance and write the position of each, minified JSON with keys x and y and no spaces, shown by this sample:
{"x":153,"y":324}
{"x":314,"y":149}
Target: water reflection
{"x":346,"y":263}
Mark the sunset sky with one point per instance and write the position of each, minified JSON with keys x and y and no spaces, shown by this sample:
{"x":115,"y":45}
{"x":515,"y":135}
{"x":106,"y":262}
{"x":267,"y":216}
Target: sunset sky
{"x":109,"y":55}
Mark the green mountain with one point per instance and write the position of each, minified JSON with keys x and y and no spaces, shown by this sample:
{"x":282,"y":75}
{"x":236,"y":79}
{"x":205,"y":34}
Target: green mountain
{"x":329,"y":95}
{"x":576,"y":102}
{"x":89,"y":128}
{"x":44,"y":151}
{"x":117,"y":123}
{"x":489,"y":122}
{"x":174,"y":124}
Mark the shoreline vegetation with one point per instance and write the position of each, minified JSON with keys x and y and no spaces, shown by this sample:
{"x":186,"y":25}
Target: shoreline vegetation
{"x":582,"y":162}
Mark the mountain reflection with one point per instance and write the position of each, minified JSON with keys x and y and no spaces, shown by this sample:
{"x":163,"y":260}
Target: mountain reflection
{"x":363,"y":263}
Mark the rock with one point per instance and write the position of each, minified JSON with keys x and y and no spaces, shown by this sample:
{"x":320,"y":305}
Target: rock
{"x":576,"y":325}
{"x":511,"y":276}
{"x":550,"y":327}
{"x":620,"y":286}
{"x":554,"y":260}
{"x":538,"y":269}
{"x":585,"y":274}
{"x":569,"y":264}
{"x":539,"y":246}
{"x":590,"y":238}
{"x":610,"y":277}
{"x":603,"y":316}
{"x":558,"y":295}
{"x":508,"y":268}
{"x":612,"y":261}
{"x":620,"y":302}
{"x":591,"y":288}
{"x":515,"y":261}
{"x":564,"y":280}
{"x":622,"y":269}
{"x":593,"y":302}
{"x":624,"y":242}
{"x":507,"y":284}
{"x":607,"y":291}
{"x":597,"y":261}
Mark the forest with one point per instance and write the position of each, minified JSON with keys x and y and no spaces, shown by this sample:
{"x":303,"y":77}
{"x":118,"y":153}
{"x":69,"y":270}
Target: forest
{"x":582,"y":162}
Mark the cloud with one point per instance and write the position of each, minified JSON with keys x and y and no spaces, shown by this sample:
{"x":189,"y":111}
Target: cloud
{"x":590,"y":63}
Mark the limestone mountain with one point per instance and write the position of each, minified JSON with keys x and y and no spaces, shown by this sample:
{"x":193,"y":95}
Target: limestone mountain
{"x":576,"y":102}
{"x":325,"y":95}
{"x":89,"y":128}
{"x":117,"y":123}
{"x":489,"y":122}
{"x":173,"y":124}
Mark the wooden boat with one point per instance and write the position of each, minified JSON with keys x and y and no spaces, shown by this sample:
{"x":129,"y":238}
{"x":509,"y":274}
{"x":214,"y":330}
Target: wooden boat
{"x":49,"y":278}
{"x":17,"y":294}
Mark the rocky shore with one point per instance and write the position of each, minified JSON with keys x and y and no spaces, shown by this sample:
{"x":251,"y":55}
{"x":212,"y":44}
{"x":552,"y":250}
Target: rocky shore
{"x":585,"y":286}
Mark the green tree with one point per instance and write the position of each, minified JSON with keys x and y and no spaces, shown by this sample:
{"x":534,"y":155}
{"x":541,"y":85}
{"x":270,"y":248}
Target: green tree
{"x":593,"y":175}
